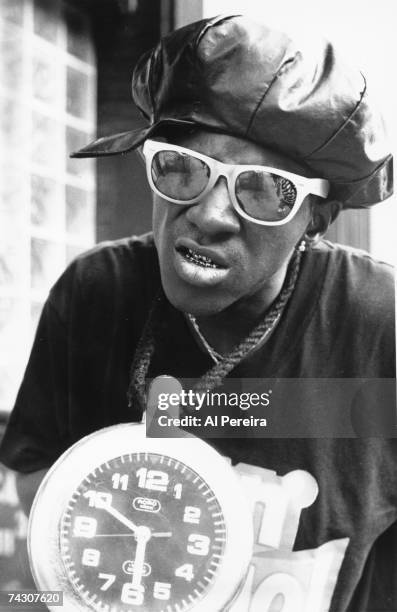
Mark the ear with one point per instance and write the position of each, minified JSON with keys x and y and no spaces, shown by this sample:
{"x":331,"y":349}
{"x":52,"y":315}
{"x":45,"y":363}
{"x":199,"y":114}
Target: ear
{"x":323,"y":214}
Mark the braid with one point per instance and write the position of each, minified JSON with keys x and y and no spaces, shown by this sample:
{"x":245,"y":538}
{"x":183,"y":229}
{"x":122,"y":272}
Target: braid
{"x":213,"y":378}
{"x":136,"y":393}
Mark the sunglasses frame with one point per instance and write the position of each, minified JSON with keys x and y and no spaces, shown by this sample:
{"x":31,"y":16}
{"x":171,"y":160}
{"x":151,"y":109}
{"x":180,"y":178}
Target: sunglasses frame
{"x":304,"y":186}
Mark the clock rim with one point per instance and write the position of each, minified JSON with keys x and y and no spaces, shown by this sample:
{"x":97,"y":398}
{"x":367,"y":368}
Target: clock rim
{"x":106,"y":444}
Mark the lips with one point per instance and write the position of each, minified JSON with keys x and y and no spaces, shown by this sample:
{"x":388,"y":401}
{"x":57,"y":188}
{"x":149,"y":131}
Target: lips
{"x":206,"y":257}
{"x":196,"y":258}
{"x":198,"y":265}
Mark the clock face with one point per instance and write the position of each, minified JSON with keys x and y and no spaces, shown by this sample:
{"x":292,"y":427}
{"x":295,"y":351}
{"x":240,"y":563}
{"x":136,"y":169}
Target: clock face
{"x":143,"y":532}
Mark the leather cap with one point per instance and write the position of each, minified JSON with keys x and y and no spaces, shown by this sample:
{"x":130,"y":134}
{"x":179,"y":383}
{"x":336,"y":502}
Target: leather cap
{"x":300,"y":98}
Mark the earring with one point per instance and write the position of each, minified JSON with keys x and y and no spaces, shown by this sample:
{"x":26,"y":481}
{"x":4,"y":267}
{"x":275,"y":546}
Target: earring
{"x":302,"y":246}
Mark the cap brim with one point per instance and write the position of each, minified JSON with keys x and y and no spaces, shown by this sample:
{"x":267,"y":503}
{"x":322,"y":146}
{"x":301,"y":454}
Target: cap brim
{"x":367,"y":191}
{"x":117,"y":144}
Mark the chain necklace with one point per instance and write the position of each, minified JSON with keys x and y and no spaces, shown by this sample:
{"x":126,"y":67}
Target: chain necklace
{"x":225,"y":364}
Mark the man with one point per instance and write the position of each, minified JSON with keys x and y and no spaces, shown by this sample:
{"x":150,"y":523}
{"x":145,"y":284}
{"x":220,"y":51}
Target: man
{"x":254,"y":144}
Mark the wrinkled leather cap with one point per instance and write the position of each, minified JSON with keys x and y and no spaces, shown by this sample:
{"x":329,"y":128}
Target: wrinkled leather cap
{"x":300,"y":98}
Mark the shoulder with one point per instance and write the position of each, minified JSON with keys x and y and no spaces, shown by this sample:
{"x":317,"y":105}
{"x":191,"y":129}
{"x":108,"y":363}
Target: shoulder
{"x":357,"y":297}
{"x":116,"y":255}
{"x":354,"y":311}
{"x":357,"y":258}
{"x":109,"y":271}
{"x":357,"y":276}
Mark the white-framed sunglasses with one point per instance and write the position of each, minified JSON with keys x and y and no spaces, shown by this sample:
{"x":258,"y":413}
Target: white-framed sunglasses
{"x":261,"y":194}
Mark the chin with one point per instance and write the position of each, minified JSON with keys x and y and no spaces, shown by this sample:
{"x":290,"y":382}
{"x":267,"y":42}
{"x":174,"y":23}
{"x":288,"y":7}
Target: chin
{"x":195,"y":302}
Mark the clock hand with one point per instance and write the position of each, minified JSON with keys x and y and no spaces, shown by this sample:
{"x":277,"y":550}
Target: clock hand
{"x":120,"y":517}
{"x":143,"y":536}
{"x":156,"y":534}
{"x":115,"y":535}
{"x":128,"y":523}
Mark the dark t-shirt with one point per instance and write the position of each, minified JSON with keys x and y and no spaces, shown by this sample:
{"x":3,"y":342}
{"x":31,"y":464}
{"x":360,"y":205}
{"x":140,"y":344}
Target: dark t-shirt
{"x":338,"y":324}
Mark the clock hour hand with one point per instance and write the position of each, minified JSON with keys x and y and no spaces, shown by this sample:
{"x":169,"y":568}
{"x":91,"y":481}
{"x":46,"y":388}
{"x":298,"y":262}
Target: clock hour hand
{"x":120,"y":517}
{"x":128,"y":523}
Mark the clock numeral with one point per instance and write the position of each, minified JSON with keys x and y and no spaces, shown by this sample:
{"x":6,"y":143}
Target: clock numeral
{"x":132,"y":594}
{"x":178,"y":490}
{"x":98,"y":499}
{"x":108,"y":578}
{"x":120,"y":481}
{"x":192,"y":515}
{"x":84,"y":527}
{"x":199,"y":544}
{"x":185,"y":571}
{"x":162,"y":590}
{"x":90,"y":557}
{"x":152,"y":479}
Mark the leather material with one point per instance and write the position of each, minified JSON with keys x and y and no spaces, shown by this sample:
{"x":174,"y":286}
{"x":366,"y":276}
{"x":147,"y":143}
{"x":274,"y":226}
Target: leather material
{"x":298,"y":97}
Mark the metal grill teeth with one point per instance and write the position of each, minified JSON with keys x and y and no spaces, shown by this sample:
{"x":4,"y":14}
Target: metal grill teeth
{"x":201,"y":260}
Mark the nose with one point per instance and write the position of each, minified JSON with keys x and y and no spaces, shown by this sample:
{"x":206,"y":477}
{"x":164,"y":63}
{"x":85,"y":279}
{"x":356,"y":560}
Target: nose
{"x":214,"y":213}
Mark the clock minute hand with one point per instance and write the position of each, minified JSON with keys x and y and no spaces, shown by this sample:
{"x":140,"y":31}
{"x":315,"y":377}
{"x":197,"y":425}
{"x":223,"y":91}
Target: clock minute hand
{"x":143,"y":536}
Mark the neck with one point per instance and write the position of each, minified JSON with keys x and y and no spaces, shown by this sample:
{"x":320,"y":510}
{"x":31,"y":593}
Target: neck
{"x":226,"y":329}
{"x":214,"y":376}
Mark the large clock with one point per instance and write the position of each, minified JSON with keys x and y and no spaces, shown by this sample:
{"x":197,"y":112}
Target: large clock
{"x":125,"y":523}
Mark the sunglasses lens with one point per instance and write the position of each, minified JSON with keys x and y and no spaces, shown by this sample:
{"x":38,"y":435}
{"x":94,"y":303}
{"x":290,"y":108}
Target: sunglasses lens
{"x":178,"y":175}
{"x":265,"y":196}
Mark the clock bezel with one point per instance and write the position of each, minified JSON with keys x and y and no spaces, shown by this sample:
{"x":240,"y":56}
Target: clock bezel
{"x":106,"y":444}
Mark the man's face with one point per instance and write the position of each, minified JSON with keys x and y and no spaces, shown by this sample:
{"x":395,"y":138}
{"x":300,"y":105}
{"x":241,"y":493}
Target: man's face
{"x":251,"y":259}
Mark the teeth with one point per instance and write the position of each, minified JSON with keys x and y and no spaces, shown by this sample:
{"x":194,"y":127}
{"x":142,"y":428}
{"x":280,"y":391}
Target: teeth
{"x":200,"y":260}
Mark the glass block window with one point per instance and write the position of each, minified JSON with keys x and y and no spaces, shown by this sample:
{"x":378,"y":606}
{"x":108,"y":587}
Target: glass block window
{"x":47,"y":201}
